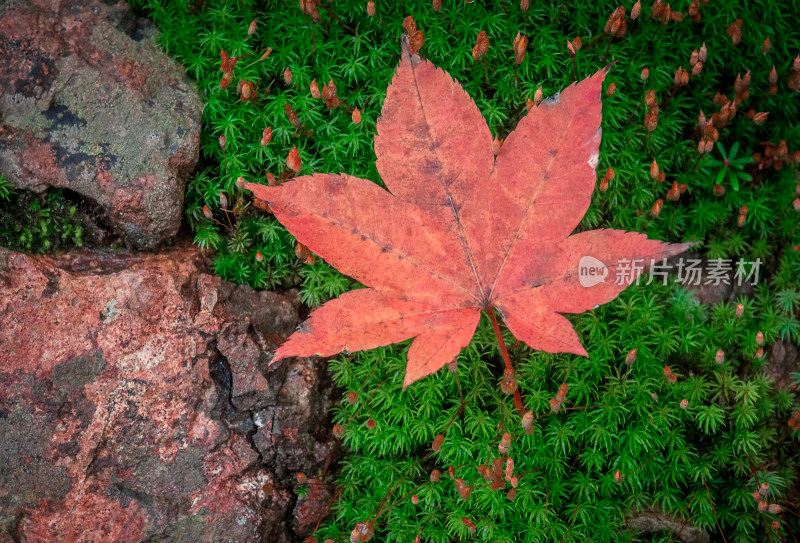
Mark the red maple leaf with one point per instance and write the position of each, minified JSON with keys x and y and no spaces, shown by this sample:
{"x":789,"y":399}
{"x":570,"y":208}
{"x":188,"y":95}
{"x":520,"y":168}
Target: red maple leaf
{"x":460,"y":231}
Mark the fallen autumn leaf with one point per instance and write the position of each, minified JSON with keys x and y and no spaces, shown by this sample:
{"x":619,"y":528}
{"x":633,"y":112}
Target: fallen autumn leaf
{"x":460,"y":230}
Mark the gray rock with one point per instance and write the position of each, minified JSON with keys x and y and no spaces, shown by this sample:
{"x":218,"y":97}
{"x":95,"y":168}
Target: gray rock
{"x":87,"y":107}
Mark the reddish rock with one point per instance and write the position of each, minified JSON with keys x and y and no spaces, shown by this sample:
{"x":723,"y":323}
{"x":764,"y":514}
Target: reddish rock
{"x":88,"y":102}
{"x":313,"y":506}
{"x":132,"y":390}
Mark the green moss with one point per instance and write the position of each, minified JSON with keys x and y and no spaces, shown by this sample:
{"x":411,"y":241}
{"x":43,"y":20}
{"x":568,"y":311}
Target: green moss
{"x":38,"y":223}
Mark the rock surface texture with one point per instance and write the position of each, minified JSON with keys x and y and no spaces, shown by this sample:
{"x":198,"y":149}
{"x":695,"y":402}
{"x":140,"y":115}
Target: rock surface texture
{"x":89,"y":103}
{"x":135,"y":404}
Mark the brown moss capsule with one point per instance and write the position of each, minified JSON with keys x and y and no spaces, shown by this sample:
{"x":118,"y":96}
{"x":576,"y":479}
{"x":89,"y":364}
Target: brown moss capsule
{"x":766,"y":46}
{"x":684,"y":403}
{"x":356,"y":116}
{"x":562,"y":391}
{"x":538,"y":96}
{"x":612,"y":88}
{"x":437,"y":5}
{"x":527,"y":420}
{"x":681,"y":77}
{"x":301,"y":478}
{"x":328,"y":91}
{"x":294,"y":120}
{"x":763,"y":488}
{"x":505,"y":443}
{"x":773,"y":76}
{"x":509,"y":471}
{"x":416,"y":42}
{"x":618,"y":476}
{"x":293,"y":160}
{"x":759,"y":338}
{"x":701,"y":147}
{"x":481,"y":45}
{"x":437,"y":442}
{"x":673,"y":378}
{"x":637,"y":8}
{"x":719,"y":358}
{"x":463,"y":489}
{"x":247,"y":91}
{"x":338,"y":430}
{"x":314,"y":89}
{"x":555,"y":405}
{"x":651,"y":122}
{"x":529,"y":105}
{"x":656,"y":209}
{"x":266,"y":136}
{"x":774,"y":508}
{"x":762,"y":506}
{"x":674,"y":192}
{"x":497,"y":143}
{"x":739,"y":313}
{"x":645,"y":73}
{"x":435,"y":475}
{"x":523,"y":5}
{"x":207,"y":212}
{"x":415,"y":499}
{"x":409,"y":25}
{"x":223,"y":200}
{"x":497,"y":468}
{"x":266,"y":54}
{"x":371,"y":8}
{"x":222,"y":142}
{"x":520,"y":47}
{"x":352,"y":397}
{"x":469,"y":524}
{"x":371,"y":424}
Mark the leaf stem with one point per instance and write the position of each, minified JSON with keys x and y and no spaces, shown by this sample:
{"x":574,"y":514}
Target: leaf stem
{"x":504,"y":353}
